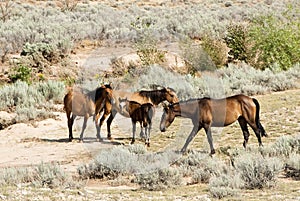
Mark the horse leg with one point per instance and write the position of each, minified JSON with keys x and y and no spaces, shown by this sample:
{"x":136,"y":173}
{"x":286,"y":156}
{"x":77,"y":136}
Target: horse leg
{"x":142,"y":134}
{"x":148,"y":135}
{"x":133,"y":132}
{"x":96,"y":117}
{"x":209,"y":139}
{"x":190,"y":138}
{"x":109,"y":121}
{"x":244,"y":127}
{"x":70,"y":125}
{"x":83,"y":127}
{"x":263,"y":132}
{"x":257,"y":132}
{"x":105,"y":114}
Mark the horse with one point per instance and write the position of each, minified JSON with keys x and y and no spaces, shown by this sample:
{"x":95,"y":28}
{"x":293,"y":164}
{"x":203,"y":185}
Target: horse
{"x":142,"y":113}
{"x":77,"y":103}
{"x":206,"y":113}
{"x":153,"y":96}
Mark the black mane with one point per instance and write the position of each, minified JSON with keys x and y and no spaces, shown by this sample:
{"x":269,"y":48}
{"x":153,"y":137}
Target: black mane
{"x":156,"y":96}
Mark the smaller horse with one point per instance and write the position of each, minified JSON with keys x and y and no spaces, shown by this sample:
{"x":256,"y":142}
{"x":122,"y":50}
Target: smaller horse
{"x":77,"y":103}
{"x":142,"y":113}
{"x":206,"y":113}
{"x":153,"y":96}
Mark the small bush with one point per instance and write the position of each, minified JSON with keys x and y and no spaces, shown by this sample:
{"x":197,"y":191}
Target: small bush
{"x":284,"y":146}
{"x":31,"y":101}
{"x":274,"y":40}
{"x":236,"y":40}
{"x":22,"y":73}
{"x":216,"y":49}
{"x":225,"y":185}
{"x":50,"y":175}
{"x":196,"y":57}
{"x":201,"y":167}
{"x":51,"y":90}
{"x":137,"y":149}
{"x":159,"y":179}
{"x":14,"y":176}
{"x":118,"y":161}
{"x":42,"y":175}
{"x":256,"y":171}
{"x":292,"y":168}
{"x":146,"y":44}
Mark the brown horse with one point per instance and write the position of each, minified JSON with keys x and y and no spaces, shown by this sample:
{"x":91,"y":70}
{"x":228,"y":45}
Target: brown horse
{"x":76,"y":103}
{"x":206,"y":113}
{"x":142,"y":113}
{"x":154,"y":97}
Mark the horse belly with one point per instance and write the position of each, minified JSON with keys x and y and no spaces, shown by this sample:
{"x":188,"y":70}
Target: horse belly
{"x":222,"y":121}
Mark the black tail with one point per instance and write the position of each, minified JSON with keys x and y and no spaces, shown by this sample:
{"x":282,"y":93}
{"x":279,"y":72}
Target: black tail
{"x":261,"y":128}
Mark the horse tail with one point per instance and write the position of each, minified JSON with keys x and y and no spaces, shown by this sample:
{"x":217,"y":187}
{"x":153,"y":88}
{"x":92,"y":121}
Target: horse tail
{"x":257,"y":120}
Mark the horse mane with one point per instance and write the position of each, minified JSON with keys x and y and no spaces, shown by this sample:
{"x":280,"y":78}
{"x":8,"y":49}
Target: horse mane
{"x":188,"y":100}
{"x":154,"y":95}
{"x":97,"y":93}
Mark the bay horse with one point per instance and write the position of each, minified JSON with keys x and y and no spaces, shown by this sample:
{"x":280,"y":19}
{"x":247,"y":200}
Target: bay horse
{"x":152,"y":96}
{"x":206,"y":113}
{"x":77,"y":103}
{"x":142,"y":113}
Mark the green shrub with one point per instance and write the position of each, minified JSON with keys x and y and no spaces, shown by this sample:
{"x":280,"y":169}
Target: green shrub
{"x":274,"y":40}
{"x":21,"y":72}
{"x":40,"y":55}
{"x":196,"y":57}
{"x":216,"y":49}
{"x":256,"y":171}
{"x":236,"y":40}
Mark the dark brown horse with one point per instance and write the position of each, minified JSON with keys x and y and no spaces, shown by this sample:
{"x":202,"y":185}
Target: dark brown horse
{"x":142,"y":113}
{"x":154,"y":97}
{"x":77,"y":103}
{"x":206,"y":113}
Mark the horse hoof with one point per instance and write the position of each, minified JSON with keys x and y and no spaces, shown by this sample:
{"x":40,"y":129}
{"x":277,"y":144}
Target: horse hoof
{"x":81,"y":140}
{"x":212,"y":152}
{"x":100,"y":139}
{"x":132,"y":142}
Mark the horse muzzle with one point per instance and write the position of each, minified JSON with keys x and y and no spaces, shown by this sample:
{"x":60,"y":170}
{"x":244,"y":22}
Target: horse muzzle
{"x":163,"y":129}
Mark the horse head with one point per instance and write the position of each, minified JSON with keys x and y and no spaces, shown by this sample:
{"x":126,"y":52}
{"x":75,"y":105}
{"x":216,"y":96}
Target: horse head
{"x":167,"y":117}
{"x":170,"y":95}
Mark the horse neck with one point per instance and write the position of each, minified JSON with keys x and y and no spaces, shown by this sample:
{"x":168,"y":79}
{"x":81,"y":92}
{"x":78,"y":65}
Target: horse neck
{"x":182,"y":110}
{"x":156,"y":97}
{"x":177,"y":109}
